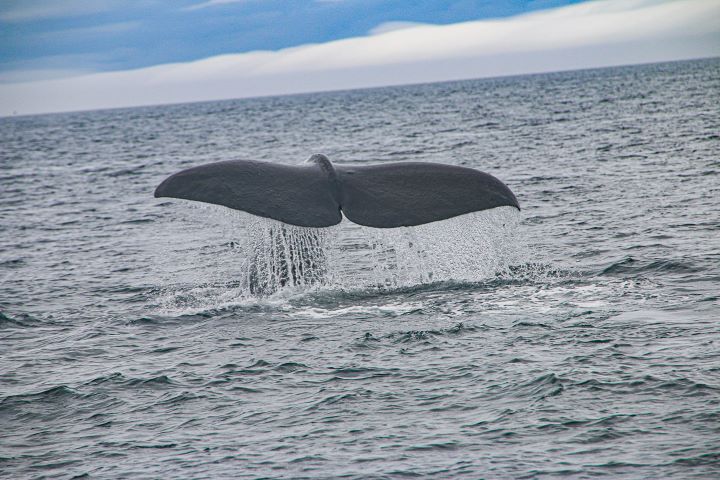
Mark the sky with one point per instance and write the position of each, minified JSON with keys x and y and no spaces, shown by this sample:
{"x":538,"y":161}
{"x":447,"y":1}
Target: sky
{"x":64,"y":55}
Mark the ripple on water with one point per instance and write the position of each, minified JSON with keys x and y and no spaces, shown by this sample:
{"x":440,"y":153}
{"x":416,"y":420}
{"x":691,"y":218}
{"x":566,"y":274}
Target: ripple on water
{"x":577,"y":338}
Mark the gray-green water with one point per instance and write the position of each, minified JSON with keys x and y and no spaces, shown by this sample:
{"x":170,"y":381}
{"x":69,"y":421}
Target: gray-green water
{"x":578,"y":338}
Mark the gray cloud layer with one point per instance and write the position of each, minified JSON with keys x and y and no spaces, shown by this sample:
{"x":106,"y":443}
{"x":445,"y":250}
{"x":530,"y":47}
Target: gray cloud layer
{"x":592,"y":34}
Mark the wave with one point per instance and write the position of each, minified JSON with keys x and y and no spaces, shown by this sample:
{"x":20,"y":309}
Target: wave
{"x":22,"y":320}
{"x":631,"y":265}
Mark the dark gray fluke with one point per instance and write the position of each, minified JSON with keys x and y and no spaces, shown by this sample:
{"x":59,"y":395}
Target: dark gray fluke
{"x":313,"y":195}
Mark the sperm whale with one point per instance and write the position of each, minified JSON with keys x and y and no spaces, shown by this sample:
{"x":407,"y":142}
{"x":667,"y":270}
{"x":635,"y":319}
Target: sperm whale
{"x":318,"y":193}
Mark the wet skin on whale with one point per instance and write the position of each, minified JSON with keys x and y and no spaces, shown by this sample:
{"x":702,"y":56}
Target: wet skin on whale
{"x":314,"y":194}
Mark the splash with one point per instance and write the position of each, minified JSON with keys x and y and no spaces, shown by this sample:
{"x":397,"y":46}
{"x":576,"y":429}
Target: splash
{"x":467,"y":248}
{"x":280,"y":255}
{"x":258,"y":258}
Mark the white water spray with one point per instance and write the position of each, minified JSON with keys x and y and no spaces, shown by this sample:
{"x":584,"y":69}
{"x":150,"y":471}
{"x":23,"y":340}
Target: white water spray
{"x":257,"y":257}
{"x":467,"y":248}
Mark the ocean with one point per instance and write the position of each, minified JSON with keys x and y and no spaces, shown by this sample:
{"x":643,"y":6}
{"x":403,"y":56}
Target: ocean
{"x":577,"y":338}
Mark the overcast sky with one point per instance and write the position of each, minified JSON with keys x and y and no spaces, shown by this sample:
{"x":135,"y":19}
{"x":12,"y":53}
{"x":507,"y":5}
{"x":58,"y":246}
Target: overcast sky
{"x":60,"y":55}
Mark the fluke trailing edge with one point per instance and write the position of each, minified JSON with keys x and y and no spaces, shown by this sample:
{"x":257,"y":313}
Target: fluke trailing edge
{"x":315,"y":193}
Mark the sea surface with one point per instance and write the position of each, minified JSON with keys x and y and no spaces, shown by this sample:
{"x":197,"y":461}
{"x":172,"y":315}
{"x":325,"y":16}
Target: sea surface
{"x":577,"y":338}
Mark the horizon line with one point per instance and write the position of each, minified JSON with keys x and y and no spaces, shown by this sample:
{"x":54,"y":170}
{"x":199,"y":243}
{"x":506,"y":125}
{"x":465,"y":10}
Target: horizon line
{"x":359,"y":89}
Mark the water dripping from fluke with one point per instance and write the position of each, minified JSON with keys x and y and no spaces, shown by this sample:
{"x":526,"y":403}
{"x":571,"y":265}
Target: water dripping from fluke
{"x":264,"y":263}
{"x":468,"y":248}
{"x":281,"y":255}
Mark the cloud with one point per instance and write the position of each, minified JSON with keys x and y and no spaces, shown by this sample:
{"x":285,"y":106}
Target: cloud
{"x":609,"y":32}
{"x":55,"y":66}
{"x":393,"y":26}
{"x":31,"y":75}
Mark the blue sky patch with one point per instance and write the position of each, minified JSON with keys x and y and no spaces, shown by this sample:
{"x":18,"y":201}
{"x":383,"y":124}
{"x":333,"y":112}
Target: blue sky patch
{"x":50,"y":38}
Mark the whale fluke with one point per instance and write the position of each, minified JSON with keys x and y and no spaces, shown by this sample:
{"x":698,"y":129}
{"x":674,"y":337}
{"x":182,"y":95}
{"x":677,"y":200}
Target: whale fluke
{"x":299,"y":195}
{"x":414,"y":193}
{"x":314,"y":194}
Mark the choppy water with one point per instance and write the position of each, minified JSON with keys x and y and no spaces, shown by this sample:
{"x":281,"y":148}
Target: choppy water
{"x":578,"y":338}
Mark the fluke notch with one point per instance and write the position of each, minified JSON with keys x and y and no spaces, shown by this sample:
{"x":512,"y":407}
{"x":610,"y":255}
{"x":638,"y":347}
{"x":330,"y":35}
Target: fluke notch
{"x":314,"y":194}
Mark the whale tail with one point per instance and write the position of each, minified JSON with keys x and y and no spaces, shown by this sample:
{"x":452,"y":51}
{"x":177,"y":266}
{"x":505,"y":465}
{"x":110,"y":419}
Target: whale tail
{"x":318,"y":193}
